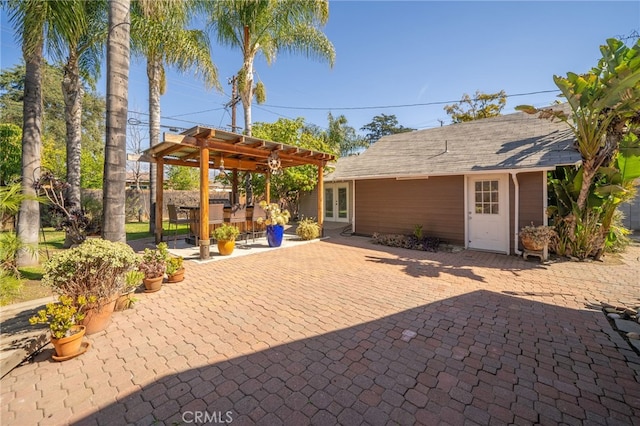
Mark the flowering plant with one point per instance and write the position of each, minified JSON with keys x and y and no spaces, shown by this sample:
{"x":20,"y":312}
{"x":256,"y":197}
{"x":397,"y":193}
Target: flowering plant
{"x":275,"y":216}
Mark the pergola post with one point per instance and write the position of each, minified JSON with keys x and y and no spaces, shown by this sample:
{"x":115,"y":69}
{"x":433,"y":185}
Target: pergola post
{"x":234,"y":187}
{"x":204,"y":201}
{"x":159,"y":199}
{"x":267,"y":189}
{"x":321,"y":199}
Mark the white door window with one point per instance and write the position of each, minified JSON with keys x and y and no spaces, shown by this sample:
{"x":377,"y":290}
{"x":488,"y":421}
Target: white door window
{"x":336,"y":202}
{"x":488,"y":216}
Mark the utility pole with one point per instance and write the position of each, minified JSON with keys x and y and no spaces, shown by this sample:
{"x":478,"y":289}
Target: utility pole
{"x":233,"y":81}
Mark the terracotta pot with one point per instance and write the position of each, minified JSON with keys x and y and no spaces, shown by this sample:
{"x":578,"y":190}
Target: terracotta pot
{"x":176,"y":277}
{"x":226,"y":247}
{"x":152,"y":285}
{"x":531,"y":244}
{"x":123,"y":301}
{"x":98,"y":318}
{"x":69,"y":346}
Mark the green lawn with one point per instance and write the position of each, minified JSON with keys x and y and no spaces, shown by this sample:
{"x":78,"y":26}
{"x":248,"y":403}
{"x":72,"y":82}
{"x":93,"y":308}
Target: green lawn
{"x":54,"y":240}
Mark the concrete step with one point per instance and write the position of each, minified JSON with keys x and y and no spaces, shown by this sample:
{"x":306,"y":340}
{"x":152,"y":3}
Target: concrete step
{"x":19,"y":339}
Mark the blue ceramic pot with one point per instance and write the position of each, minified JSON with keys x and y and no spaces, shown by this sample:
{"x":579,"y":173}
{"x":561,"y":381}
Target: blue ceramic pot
{"x":275,"y":233}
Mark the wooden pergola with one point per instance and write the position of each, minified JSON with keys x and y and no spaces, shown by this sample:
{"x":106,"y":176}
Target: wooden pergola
{"x":211,"y":149}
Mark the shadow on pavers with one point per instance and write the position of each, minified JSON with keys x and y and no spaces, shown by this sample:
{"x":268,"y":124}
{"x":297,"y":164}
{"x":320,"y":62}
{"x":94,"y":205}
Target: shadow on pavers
{"x":482,"y":356}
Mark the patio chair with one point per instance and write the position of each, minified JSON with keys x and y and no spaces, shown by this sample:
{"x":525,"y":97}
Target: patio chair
{"x":216,"y":215}
{"x":252,"y":221}
{"x":238,"y":215}
{"x":175,"y":219}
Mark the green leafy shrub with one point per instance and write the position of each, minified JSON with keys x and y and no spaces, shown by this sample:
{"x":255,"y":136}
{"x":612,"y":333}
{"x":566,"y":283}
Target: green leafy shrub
{"x":10,"y":287}
{"x":10,"y":245}
{"x":95,"y":268}
{"x":132,"y":280}
{"x":308,"y":229}
{"x":226,"y":233}
{"x":407,"y":241}
{"x":618,"y":237}
{"x":174,"y":264}
{"x":417,"y":232}
{"x":93,"y":210}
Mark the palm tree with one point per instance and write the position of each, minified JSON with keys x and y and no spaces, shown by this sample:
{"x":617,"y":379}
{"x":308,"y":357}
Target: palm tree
{"x":268,"y":27}
{"x":83,"y":56}
{"x":159,"y":33}
{"x":113,"y":198}
{"x":37,"y":24}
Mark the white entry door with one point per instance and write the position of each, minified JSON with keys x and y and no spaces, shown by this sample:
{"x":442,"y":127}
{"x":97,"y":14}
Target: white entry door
{"x":336,"y":202}
{"x":488,"y":216}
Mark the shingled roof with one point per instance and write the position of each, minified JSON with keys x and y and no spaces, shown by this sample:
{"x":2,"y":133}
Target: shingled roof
{"x":508,"y":142}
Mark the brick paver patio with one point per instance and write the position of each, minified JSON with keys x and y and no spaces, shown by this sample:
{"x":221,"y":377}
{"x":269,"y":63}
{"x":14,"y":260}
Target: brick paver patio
{"x":345,"y":332}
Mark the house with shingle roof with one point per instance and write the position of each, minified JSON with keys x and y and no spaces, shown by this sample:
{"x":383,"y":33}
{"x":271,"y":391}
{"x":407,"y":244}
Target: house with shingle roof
{"x":472,"y":184}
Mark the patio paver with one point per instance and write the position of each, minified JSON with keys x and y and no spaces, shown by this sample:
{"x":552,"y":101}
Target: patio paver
{"x":317,"y":334}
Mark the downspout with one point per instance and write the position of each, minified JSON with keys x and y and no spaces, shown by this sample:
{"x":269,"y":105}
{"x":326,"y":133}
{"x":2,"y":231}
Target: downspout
{"x":516,"y":213}
{"x":353,"y":208}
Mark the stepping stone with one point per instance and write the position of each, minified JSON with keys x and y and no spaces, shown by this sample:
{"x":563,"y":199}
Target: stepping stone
{"x":627,"y":326}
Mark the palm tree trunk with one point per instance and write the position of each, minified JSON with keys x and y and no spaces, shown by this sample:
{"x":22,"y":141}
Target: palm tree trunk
{"x":72,"y":91}
{"x":113,"y":198}
{"x":154,"y":73}
{"x":588,"y":173}
{"x":29,"y":215}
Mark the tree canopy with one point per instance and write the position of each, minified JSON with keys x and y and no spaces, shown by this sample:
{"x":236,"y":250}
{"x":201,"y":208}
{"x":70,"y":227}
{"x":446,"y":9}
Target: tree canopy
{"x":383,"y":125}
{"x":291,"y":182}
{"x":54,"y":132}
{"x":482,"y":105}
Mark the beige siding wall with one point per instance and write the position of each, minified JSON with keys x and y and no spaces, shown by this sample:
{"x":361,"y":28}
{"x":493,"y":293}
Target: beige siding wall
{"x":531,"y":203}
{"x":396,"y":206}
{"x":309,"y":204}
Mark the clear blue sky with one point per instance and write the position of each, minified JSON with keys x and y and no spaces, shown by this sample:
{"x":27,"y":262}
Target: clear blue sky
{"x":399,"y":53}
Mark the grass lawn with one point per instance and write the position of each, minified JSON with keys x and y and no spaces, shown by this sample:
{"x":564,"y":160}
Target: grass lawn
{"x":52,"y":241}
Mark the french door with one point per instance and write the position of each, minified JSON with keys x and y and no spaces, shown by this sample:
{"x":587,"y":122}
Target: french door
{"x":336,"y":202}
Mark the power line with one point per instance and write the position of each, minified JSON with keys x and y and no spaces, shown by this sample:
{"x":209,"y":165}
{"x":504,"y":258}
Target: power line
{"x":401,"y":105}
{"x":199,"y":112}
{"x":355,"y":108}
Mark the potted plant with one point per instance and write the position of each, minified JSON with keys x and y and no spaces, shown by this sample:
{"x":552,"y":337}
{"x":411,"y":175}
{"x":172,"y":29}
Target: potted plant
{"x":175,"y":270}
{"x":153,"y":265}
{"x":536,"y":238}
{"x":226,"y":236}
{"x":275,"y":221}
{"x":94,"y":270}
{"x":132,"y":280}
{"x":63,"y":318}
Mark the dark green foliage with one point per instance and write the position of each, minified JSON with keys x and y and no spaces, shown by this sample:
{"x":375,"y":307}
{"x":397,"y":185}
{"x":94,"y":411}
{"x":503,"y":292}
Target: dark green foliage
{"x":383,"y":125}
